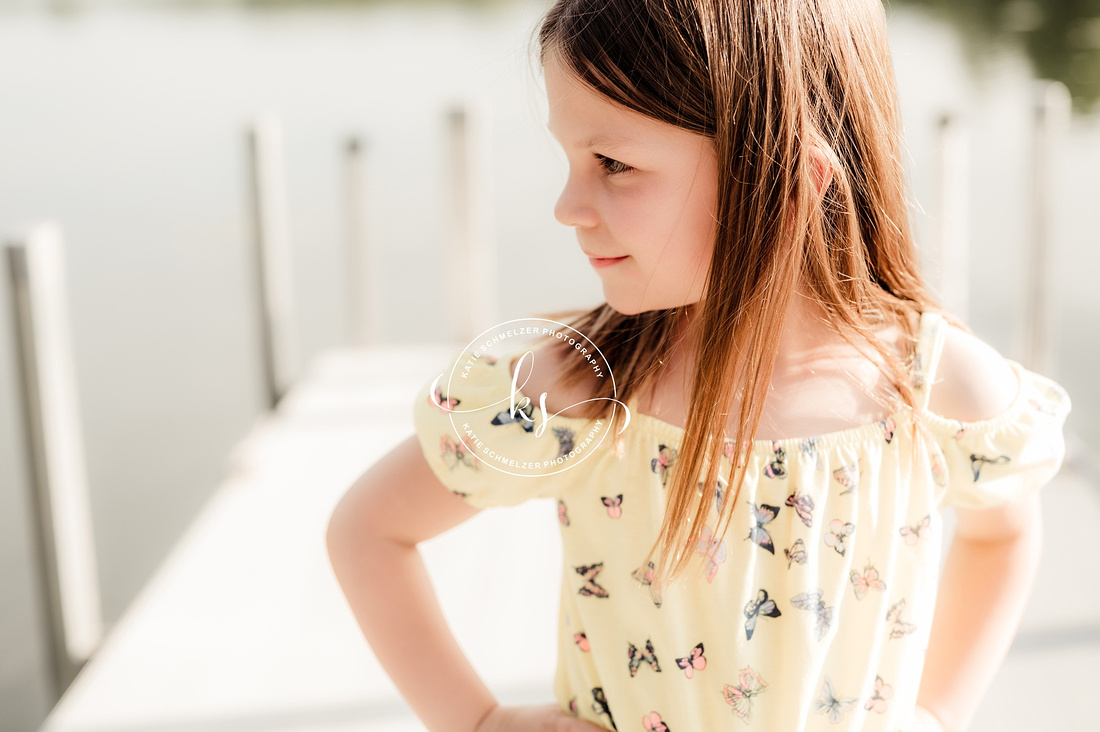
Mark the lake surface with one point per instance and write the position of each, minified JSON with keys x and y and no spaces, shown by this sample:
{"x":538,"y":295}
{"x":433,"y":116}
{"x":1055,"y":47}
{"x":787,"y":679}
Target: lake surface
{"x":125,"y":123}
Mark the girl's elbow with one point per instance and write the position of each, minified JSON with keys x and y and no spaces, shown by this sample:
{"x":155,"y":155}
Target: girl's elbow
{"x":336,"y":535}
{"x":345,"y":530}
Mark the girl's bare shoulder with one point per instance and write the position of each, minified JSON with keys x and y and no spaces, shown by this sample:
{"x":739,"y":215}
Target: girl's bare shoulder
{"x":973,"y":380}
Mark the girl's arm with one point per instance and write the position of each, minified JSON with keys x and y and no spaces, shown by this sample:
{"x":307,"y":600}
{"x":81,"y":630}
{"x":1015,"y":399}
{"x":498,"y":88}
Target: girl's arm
{"x":988,"y":575}
{"x":994,"y":555}
{"x":371,"y":541}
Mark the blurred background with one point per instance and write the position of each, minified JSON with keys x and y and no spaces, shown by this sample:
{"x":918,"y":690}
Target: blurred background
{"x":126,"y":124}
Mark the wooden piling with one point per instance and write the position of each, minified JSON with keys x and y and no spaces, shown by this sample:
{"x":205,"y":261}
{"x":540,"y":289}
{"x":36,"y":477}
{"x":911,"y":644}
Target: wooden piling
{"x":1051,"y":126}
{"x":365,"y":294}
{"x":65,"y":549}
{"x":952,"y":226}
{"x":470,"y":278}
{"x":272,"y":257}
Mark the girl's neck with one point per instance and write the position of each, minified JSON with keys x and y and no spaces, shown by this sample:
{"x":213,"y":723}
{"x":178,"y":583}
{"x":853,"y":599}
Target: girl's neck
{"x":819,"y":382}
{"x":806,"y":335}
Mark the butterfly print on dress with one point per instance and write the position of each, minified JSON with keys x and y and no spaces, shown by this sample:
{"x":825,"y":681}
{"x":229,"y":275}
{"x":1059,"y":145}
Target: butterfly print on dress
{"x":829,"y":703}
{"x":563,"y":517}
{"x":977,"y":461}
{"x":749,"y":684}
{"x":803,"y":504}
{"x":839,"y":531}
{"x":1049,"y":407}
{"x":939,"y":471}
{"x":454,"y":453}
{"x":759,"y":535}
{"x":565,"y":438}
{"x":645,"y":576}
{"x":813,"y":602}
{"x":636,"y":658}
{"x":919,"y":380}
{"x":727,"y":452}
{"x":776,"y":468}
{"x":712,"y":549}
{"x":847,"y":476}
{"x":888,"y":426}
{"x":808,"y":447}
{"x":797,"y":553}
{"x":653,"y":723}
{"x":444,"y":403}
{"x":869,"y":580}
{"x":582,"y":642}
{"x":614,"y":505}
{"x":755,"y":608}
{"x":692,"y":661}
{"x":664,"y":461}
{"x":523,"y":416}
{"x":719,"y":494}
{"x":590,"y":588}
{"x":920,"y":530}
{"x":599,"y":706}
{"x":900,"y":628}
{"x":883,"y":693}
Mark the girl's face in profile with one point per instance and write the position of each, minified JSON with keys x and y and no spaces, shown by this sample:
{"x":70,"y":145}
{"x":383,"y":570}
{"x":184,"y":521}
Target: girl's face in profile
{"x":638,"y":189}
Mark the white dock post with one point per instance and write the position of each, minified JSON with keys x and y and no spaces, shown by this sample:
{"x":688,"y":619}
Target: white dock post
{"x":471,"y":284}
{"x":952,"y":234}
{"x":271,"y":241}
{"x":366,"y":301}
{"x":1052,"y":118}
{"x":67,"y":571}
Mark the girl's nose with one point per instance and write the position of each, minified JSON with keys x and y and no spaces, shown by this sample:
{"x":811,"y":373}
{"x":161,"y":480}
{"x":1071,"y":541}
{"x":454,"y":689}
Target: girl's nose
{"x":574,"y":207}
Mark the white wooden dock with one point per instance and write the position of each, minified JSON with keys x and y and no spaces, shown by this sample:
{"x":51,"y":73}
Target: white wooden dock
{"x":244,"y":629}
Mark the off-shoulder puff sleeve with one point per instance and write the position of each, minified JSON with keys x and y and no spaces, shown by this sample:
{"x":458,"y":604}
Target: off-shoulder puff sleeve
{"x":483,"y":451}
{"x":1006,"y":457}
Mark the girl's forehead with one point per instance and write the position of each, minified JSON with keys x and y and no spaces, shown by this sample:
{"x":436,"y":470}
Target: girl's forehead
{"x":580,"y":115}
{"x":569,"y":96}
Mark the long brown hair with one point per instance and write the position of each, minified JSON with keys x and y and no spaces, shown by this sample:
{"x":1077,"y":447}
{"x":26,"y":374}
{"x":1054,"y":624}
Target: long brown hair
{"x":763,"y":79}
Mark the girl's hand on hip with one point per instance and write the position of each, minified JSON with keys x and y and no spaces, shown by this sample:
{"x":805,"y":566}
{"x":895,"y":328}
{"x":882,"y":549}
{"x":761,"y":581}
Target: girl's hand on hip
{"x":544,"y":718}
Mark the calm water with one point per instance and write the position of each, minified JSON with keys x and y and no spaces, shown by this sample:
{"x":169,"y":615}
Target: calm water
{"x":126,"y":125}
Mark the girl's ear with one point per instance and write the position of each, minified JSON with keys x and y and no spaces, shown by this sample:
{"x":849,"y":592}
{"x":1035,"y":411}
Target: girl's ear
{"x":821,"y":169}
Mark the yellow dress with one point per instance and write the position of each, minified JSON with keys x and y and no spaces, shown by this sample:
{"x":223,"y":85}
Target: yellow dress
{"x":814,"y":611}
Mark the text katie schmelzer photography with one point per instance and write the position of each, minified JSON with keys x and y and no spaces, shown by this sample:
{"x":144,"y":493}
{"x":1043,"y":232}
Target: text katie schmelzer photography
{"x":500,"y":337}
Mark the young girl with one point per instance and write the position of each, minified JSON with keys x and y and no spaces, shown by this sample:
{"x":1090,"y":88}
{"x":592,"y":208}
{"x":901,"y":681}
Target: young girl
{"x":755,"y":541}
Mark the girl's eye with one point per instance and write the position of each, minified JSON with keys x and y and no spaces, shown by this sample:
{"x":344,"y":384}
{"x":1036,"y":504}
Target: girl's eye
{"x":611,"y":166}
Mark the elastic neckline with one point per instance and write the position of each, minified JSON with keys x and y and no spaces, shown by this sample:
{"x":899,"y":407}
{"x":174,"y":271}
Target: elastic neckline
{"x":849,"y":435}
{"x":659,"y":428}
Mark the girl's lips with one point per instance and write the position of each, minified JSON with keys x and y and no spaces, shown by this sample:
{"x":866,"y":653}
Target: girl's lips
{"x":605,"y":262}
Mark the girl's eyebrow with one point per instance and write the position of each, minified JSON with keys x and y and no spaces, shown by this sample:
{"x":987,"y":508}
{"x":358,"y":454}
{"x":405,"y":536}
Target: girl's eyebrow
{"x":609,"y":143}
{"x":603,"y":141}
